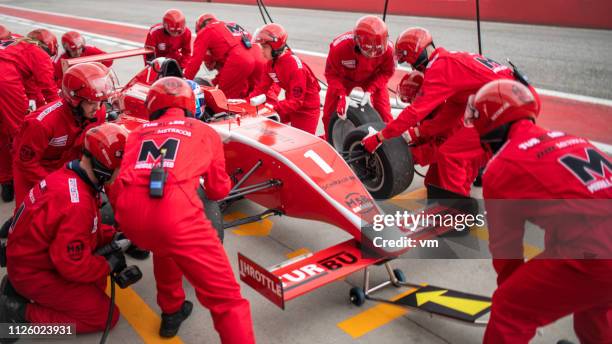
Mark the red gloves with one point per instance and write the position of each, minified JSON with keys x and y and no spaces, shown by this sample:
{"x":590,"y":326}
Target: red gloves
{"x":372,"y":141}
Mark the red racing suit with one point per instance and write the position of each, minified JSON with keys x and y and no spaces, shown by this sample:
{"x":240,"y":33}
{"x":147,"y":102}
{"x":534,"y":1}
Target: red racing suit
{"x":219,"y":44}
{"x":174,"y":227}
{"x":433,"y":131}
{"x":164,"y":45}
{"x":87,"y":51}
{"x":452,"y":77}
{"x":346,"y":68}
{"x":49,"y":137}
{"x":564,"y":185}
{"x":50,"y":253}
{"x":301,"y":104}
{"x":26,"y":69}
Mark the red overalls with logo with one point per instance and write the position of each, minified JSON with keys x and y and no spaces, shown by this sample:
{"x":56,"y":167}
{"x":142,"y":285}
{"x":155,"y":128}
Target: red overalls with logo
{"x":564,"y":185}
{"x":50,"y":254}
{"x":346,"y":68}
{"x":174,"y":227}
{"x":301,"y":104}
{"x":450,"y":78}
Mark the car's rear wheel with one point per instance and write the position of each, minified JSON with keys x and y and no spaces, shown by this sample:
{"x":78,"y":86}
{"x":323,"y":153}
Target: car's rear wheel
{"x":387,"y":172}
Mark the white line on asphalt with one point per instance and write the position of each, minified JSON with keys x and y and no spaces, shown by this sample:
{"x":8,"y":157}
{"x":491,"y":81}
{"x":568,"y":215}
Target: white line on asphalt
{"x":75,"y":17}
{"x":113,"y":41}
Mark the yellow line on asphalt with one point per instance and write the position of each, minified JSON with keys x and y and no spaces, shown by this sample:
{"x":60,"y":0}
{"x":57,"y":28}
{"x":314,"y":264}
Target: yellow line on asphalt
{"x":374,"y":317}
{"x":298,"y":252}
{"x":260,"y":228}
{"x":418,"y":194}
{"x":140,"y":316}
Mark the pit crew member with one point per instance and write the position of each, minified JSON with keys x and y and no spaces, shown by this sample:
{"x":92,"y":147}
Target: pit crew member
{"x":53,"y":272}
{"x":301,"y":104}
{"x":449,"y":78}
{"x":27,"y":70}
{"x":226,"y":47}
{"x":158,"y":180}
{"x":170,"y":38}
{"x":359,"y":58}
{"x":50,"y":136}
{"x":74,"y":46}
{"x":562,"y":184}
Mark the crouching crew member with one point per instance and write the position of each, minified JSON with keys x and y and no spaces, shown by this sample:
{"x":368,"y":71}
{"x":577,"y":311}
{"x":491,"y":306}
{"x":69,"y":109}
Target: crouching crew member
{"x":55,"y":276}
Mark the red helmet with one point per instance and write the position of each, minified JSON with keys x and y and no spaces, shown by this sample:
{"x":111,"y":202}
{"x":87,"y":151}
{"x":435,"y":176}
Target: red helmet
{"x":371,"y":36}
{"x":72,"y":42}
{"x":91,"y":81}
{"x":5,"y":33}
{"x":203,"y":20}
{"x":106,"y":144}
{"x":500,"y":102}
{"x":174,"y":22}
{"x":170,"y":92}
{"x":409,"y":86}
{"x":411,"y":44}
{"x":272,"y":34}
{"x":46,"y":39}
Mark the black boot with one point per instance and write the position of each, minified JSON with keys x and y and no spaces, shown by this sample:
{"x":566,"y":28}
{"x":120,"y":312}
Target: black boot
{"x":137,"y":253}
{"x":7,"y":289}
{"x":171,"y":323}
{"x":8,"y":192}
{"x":478,"y":181}
{"x":4,"y":230}
{"x":12,"y":310}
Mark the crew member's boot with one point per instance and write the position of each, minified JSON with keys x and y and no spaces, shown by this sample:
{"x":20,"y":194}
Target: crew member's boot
{"x":137,"y":253}
{"x":171,"y":323}
{"x":8,"y":192}
{"x":12,"y":310}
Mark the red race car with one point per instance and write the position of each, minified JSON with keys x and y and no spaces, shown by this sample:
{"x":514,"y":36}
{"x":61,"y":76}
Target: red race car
{"x":289,"y":172}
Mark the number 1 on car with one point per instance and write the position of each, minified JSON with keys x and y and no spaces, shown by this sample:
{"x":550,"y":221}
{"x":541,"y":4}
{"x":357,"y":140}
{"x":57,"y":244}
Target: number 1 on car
{"x":319,"y":161}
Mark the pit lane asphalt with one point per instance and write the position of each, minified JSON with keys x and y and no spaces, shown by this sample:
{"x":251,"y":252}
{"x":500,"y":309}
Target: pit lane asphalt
{"x":570,"y":60}
{"x":312,"y":318}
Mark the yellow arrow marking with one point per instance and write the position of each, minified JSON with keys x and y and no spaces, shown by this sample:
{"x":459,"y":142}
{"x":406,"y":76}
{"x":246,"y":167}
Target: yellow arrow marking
{"x":467,"y":306}
{"x":260,"y":228}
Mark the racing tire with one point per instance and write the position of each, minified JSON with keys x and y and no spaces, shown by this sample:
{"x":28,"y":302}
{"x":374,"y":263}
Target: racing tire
{"x":357,"y":296}
{"x":355,"y":117}
{"x":213,"y":213}
{"x":385,"y":173}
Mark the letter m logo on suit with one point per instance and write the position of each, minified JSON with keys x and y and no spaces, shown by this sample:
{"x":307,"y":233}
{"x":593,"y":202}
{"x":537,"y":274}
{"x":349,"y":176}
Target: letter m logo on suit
{"x":151,"y":152}
{"x":594,"y":170}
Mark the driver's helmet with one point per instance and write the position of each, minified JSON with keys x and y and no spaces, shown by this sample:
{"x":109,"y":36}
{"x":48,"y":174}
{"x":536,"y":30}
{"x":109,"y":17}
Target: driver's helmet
{"x":199,"y":97}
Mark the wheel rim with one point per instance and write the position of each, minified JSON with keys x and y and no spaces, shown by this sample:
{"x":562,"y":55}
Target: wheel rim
{"x":369,"y":170}
{"x":339,"y":131}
